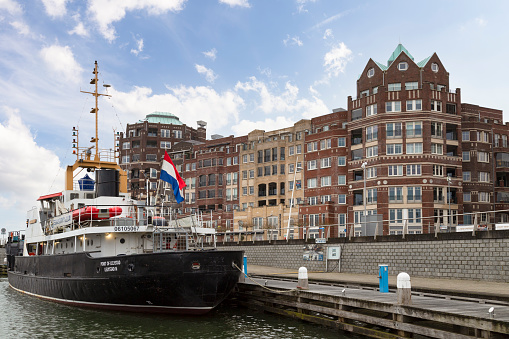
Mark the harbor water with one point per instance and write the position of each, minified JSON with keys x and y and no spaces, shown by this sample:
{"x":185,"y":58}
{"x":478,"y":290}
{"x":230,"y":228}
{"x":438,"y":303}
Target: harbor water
{"x":24,"y":316}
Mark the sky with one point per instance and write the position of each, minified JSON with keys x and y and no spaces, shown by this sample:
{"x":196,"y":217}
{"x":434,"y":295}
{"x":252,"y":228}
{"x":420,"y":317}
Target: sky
{"x":239,"y":65}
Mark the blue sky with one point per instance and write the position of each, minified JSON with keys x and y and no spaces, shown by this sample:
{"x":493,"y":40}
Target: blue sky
{"x":236,"y":64}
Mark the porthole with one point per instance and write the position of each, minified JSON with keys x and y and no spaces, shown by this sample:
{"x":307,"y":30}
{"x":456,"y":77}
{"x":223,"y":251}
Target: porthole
{"x":403,"y":66}
{"x":122,"y":240}
{"x":371,"y":72}
{"x":434,"y":67}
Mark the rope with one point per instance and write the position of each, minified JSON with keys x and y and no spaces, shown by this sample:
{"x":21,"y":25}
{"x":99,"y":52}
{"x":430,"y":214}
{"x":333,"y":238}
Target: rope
{"x":264,"y":287}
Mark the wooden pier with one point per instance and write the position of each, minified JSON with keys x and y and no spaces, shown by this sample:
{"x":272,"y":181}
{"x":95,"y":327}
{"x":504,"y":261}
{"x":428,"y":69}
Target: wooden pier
{"x":378,"y":315}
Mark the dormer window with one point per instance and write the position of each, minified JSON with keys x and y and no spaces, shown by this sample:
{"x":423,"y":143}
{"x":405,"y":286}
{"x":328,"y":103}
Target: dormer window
{"x":403,"y":66}
{"x":434,"y":67}
{"x":371,"y":72}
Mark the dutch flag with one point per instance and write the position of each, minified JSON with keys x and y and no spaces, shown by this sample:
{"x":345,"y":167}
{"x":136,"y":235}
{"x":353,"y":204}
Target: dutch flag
{"x":169,"y":174}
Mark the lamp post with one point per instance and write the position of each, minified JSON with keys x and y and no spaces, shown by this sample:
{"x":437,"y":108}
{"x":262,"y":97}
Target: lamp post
{"x":291,"y":201}
{"x":365,"y":198}
{"x":449,"y":199}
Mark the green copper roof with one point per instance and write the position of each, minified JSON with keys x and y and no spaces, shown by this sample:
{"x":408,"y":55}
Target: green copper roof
{"x":400,"y":48}
{"x":163,"y":118}
{"x":382,"y":67}
{"x":423,"y":63}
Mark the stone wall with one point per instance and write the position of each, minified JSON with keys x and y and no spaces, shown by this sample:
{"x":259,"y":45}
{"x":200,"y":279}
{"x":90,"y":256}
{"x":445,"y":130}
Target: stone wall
{"x":483,"y":256}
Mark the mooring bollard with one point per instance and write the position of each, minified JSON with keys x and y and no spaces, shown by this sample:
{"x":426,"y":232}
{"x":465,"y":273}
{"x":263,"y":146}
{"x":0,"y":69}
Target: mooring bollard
{"x":404,"y":289}
{"x":383,"y":278}
{"x":303,"y":279}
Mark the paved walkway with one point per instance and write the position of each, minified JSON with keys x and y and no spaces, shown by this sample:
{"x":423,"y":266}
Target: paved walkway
{"x":474,"y":289}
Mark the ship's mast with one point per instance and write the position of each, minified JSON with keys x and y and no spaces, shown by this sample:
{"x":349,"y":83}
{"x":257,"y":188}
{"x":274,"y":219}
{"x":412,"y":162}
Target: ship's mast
{"x":96,"y":94}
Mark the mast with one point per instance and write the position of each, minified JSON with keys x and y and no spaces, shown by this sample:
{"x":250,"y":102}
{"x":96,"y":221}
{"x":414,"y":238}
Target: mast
{"x":96,"y":94}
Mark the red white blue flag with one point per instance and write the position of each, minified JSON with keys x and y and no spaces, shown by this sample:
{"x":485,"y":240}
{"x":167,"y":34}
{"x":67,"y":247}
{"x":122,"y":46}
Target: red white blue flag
{"x":169,"y":174}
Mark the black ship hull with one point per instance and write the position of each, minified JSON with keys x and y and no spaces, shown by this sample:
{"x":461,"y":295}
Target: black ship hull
{"x":187,"y":282}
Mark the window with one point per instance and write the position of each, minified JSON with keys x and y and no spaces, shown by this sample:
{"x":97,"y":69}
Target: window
{"x":483,"y":157}
{"x":438,"y":170}
{"x":342,"y":142}
{"x":395,"y":170}
{"x":414,"y":148}
{"x":325,"y":181}
{"x":341,"y":179}
{"x":251,"y":190}
{"x":436,"y":106}
{"x":393,"y":106}
{"x":251,"y":174}
{"x":393,"y":130}
{"x":342,"y":161}
{"x":371,"y":151}
{"x":411,"y":85}
{"x":313,"y":146}
{"x":414,"y":129}
{"x":504,"y":140}
{"x":403,"y":66}
{"x":437,"y":149}
{"x":371,"y":133}
{"x":298,"y":148}
{"x":466,"y":155}
{"x":484,"y":197}
{"x":371,"y":196}
{"x":414,"y":215}
{"x":465,"y":135}
{"x":125,"y":159}
{"x":466,"y":176}
{"x":496,"y":140}
{"x":413,"y":169}
{"x":436,"y":130}
{"x":484,"y":177}
{"x":251,"y":157}
{"x":450,"y":108}
{"x":434,"y":67}
{"x":165,"y":133}
{"x":325,"y":198}
{"x":394,"y":149}
{"x":371,"y":172}
{"x":375,"y":90}
{"x":438,"y":194}
{"x":126,"y":145}
{"x":371,"y":72}
{"x":312,"y":183}
{"x":395,"y":194}
{"x":394,"y":87}
{"x":324,"y":144}
{"x":357,"y":114}
{"x":291,"y":150}
{"x":371,"y":110}
{"x":177,"y":134}
{"x":414,"y":194}
{"x":325,"y":162}
{"x":467,"y":197}
{"x":151,"y":157}
{"x":414,"y":105}
{"x":313,"y":201}
{"x":365,"y":93}
{"x":312,"y":165}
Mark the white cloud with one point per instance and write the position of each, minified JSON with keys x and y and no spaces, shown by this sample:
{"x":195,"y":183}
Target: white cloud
{"x":331,"y":19}
{"x":286,"y":102}
{"x":79,"y":29}
{"x":21,"y":27}
{"x":190,"y":104}
{"x":292,"y":41}
{"x":139,"y":46}
{"x":11,"y":6}
{"x":55,"y":8}
{"x":209,"y":74}
{"x":106,"y":12}
{"x":211,"y":54}
{"x":481,"y":22}
{"x":60,"y":60}
{"x":301,"y":4}
{"x":28,"y":170}
{"x":246,"y":126}
{"x":336,"y":59}
{"x":328,"y":34}
{"x":233,"y":3}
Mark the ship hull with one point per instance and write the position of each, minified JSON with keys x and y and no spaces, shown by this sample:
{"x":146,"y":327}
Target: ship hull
{"x":187,"y":282}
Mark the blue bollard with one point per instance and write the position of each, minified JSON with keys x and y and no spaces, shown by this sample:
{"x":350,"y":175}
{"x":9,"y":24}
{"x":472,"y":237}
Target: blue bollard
{"x":383,"y":277}
{"x":245,"y":265}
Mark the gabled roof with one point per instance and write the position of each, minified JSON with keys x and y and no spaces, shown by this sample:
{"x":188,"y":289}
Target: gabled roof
{"x":423,"y":63}
{"x":382,"y":67}
{"x":400,"y":48}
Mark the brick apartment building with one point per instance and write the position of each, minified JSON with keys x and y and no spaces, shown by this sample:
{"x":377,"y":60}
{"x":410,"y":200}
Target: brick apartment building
{"x":430,"y":162}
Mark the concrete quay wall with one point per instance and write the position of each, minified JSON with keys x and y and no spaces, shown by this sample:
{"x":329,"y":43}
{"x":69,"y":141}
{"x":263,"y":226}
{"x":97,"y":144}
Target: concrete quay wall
{"x":483,"y":256}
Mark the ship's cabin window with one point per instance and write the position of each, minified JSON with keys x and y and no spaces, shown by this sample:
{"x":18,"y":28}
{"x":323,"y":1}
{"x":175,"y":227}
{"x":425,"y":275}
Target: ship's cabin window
{"x":122,"y":240}
{"x":74,"y":196}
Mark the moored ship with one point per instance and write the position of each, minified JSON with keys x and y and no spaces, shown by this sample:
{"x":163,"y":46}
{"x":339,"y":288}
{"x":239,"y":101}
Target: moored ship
{"x":92,"y":245}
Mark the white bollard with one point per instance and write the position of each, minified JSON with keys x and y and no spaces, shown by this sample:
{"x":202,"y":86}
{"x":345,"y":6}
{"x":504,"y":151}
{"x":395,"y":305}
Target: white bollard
{"x":303,"y":279}
{"x":404,"y":289}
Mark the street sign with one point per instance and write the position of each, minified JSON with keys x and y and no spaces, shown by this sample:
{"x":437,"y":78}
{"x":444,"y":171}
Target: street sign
{"x":320,"y":241}
{"x":3,"y":231}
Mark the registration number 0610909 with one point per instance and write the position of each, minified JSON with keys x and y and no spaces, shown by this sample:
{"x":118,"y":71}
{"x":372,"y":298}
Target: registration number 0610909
{"x":126,"y":228}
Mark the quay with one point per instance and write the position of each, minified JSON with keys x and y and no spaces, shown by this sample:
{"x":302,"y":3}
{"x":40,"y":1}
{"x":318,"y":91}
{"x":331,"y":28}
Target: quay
{"x":439,"y":308}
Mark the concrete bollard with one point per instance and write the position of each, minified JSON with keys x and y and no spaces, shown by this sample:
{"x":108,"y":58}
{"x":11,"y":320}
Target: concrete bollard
{"x":303,"y":279}
{"x":404,"y":289}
